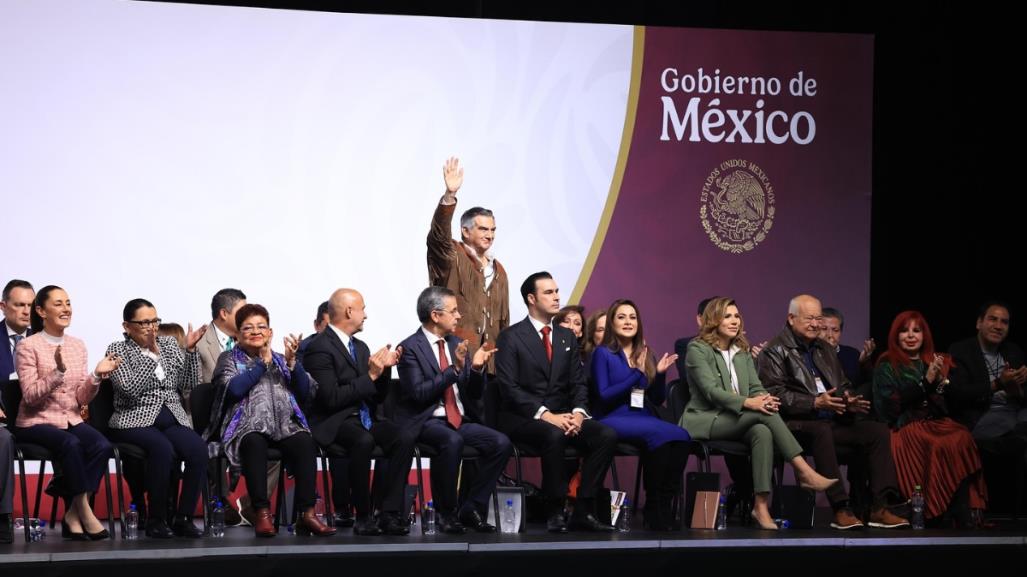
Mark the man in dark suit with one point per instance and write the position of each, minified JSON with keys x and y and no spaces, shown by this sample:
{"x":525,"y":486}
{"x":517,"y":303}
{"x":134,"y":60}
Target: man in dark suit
{"x":544,"y":404}
{"x":351,"y":382}
{"x":343,"y":510}
{"x":16,"y":306}
{"x":987,"y":381}
{"x":440,"y":395}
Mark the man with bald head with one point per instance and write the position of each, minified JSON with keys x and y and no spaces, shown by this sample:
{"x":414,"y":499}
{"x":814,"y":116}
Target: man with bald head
{"x":351,"y":383}
{"x":818,"y":402}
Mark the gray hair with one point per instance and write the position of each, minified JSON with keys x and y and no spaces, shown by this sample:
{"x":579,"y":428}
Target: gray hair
{"x":432,"y":299}
{"x":467,"y":219}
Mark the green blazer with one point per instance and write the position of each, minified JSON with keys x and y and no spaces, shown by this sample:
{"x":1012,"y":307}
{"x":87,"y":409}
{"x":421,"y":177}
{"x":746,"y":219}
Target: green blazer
{"x":709,"y":387}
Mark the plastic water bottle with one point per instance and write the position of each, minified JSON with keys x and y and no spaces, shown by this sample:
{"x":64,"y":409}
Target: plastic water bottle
{"x":722,"y":513}
{"x":42,"y":529}
{"x":319,"y":508}
{"x":917,"y":502}
{"x":217,"y":520}
{"x":428,"y":526}
{"x":508,"y":520}
{"x":131,"y":523}
{"x":35,"y":533}
{"x":624,"y":521}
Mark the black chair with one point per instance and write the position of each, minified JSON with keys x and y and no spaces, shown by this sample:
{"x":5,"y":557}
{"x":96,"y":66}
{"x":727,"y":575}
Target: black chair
{"x":100,"y":410}
{"x":32,"y":452}
{"x":201,"y":401}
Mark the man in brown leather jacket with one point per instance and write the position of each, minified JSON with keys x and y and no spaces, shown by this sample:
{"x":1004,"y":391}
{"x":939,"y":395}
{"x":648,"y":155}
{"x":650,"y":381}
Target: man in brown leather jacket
{"x":818,"y":403}
{"x":467,"y":267}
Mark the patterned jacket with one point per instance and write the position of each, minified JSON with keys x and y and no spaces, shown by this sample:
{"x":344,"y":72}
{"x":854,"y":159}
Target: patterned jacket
{"x":138,"y":392}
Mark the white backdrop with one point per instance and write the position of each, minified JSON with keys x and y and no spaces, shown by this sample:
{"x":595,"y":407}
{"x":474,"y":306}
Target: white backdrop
{"x":166,"y":151}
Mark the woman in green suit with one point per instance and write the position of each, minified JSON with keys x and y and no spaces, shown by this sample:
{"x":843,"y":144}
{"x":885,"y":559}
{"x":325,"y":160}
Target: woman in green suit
{"x":729,"y":403}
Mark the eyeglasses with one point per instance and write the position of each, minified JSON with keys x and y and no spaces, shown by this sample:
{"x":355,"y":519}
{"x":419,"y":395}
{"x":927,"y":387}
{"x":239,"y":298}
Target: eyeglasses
{"x":146,"y":323}
{"x":253,"y":329}
{"x":452,"y":312}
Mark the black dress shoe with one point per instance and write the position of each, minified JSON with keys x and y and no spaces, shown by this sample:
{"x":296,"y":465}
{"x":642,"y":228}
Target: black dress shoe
{"x":588,"y":522}
{"x":474,"y":521}
{"x":158,"y":529}
{"x":392,"y":524}
{"x":183,"y":526}
{"x":365,"y":525}
{"x":99,"y":535}
{"x":448,"y":523}
{"x":343,"y":518}
{"x":556,"y":523}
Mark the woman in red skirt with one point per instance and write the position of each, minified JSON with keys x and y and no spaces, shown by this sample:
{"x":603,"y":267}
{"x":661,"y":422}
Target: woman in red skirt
{"x":930,"y":449}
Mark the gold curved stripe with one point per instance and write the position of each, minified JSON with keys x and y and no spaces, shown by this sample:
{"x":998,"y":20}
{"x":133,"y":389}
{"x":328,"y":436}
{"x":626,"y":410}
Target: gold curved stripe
{"x":637,"y":53}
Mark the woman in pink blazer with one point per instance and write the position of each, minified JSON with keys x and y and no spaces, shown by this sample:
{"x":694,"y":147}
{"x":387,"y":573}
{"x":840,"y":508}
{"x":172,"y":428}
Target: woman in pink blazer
{"x":55,"y":383}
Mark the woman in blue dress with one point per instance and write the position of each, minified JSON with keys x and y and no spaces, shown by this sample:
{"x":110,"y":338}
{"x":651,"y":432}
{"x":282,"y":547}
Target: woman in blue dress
{"x":626,"y":382}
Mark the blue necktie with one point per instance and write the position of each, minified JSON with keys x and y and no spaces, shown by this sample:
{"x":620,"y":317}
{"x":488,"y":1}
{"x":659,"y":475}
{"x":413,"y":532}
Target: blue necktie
{"x":365,"y":413}
{"x":17,"y":339}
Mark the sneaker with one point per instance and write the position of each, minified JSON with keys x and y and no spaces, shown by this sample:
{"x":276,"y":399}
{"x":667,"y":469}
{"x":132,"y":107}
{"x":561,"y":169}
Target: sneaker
{"x":844,"y":519}
{"x":884,"y":519}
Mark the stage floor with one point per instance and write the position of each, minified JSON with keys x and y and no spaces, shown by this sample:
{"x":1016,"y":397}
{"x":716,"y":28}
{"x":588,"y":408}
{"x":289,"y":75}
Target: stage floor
{"x":737,"y":548}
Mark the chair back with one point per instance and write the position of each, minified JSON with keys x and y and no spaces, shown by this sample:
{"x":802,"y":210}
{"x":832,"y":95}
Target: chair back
{"x":678,"y":396}
{"x":12,"y":401}
{"x":201,"y":402}
{"x":101,"y":408}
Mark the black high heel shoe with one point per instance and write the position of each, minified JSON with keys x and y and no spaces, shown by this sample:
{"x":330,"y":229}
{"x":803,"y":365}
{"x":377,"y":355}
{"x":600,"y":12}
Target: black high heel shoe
{"x":99,"y":536}
{"x":67,"y":533}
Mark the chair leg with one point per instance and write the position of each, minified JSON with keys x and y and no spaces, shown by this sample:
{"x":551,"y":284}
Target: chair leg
{"x":517,"y":467}
{"x":495,"y":507}
{"x":119,"y":478}
{"x":205,"y":496}
{"x":613,"y":471}
{"x":280,"y":502}
{"x":110,"y":500}
{"x":39,"y":487}
{"x":24,"y":495}
{"x":326,"y":487}
{"x":638,"y":485}
{"x":420,"y":478}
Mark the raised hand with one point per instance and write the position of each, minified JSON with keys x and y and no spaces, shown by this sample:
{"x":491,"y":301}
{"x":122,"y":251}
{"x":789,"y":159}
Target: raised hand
{"x":453,"y":175}
{"x":192,"y":337}
{"x":640,"y":357}
{"x":755,"y":350}
{"x":665,"y":362}
{"x":292,"y":344}
{"x":151,"y":340}
{"x":482,"y":356}
{"x":868,"y":349}
{"x":265,"y":352}
{"x":107,"y":365}
{"x":934,"y":370}
{"x":58,"y":360}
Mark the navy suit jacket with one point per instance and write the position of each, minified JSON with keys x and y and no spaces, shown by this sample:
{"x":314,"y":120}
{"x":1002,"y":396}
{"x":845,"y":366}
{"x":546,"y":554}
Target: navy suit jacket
{"x":6,"y":365}
{"x":422,"y":384}
{"x":528,"y":381}
{"x":342,"y":383}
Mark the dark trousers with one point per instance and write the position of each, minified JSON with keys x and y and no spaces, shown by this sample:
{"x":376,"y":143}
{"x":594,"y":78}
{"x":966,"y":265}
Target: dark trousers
{"x":493,"y":447}
{"x":340,"y":484}
{"x":871,"y":439}
{"x":166,"y":442}
{"x":663,"y":469}
{"x":81,"y":450}
{"x":300,"y":455}
{"x":596,"y":440}
{"x":390,"y":477}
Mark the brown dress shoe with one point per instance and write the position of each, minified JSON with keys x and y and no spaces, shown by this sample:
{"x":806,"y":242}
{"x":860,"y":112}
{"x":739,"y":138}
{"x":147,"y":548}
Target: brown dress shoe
{"x":844,"y":519}
{"x":264,"y":524}
{"x":884,"y":519}
{"x":309,"y":524}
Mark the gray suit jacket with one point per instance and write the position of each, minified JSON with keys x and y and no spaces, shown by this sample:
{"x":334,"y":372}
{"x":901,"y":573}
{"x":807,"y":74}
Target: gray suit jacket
{"x":209,"y":350}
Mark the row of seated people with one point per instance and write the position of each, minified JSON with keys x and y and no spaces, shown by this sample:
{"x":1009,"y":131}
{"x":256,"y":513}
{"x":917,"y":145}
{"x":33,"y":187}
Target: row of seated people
{"x":540,"y":375}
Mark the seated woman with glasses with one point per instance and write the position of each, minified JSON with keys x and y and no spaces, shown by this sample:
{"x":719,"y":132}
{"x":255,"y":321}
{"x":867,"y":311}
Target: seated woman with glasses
{"x":729,"y":403}
{"x":55,"y":384}
{"x":256,"y":407}
{"x":148,"y":387}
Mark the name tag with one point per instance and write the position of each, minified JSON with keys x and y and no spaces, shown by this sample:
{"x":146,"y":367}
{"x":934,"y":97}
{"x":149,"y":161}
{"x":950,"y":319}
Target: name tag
{"x":159,"y":372}
{"x":637,"y":398}
{"x":820,"y":385}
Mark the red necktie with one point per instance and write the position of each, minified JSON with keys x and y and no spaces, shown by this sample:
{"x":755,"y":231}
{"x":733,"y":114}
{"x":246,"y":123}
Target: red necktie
{"x":448,"y":397}
{"x":545,"y":341}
